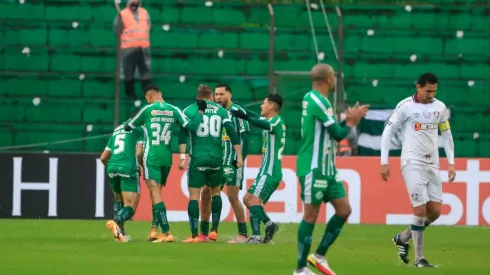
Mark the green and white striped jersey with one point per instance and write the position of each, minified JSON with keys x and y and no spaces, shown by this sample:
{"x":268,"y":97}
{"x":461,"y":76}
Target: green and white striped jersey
{"x":273,"y":144}
{"x":241,"y":126}
{"x":317,"y":149}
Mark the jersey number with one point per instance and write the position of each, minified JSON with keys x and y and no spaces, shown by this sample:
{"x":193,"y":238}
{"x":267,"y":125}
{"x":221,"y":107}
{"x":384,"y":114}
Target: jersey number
{"x":209,"y":126}
{"x":160,"y":134}
{"x":279,"y":152}
{"x":119,"y":143}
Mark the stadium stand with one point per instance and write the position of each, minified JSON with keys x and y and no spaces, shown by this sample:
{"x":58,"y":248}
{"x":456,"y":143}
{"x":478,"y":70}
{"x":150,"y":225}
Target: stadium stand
{"x":57,"y":62}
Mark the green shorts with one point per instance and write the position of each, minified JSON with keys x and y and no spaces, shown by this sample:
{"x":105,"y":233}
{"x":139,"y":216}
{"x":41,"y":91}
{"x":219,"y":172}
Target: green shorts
{"x":122,"y":179}
{"x":263,"y":187}
{"x":232,"y":176}
{"x":317,"y":188}
{"x":159,"y":174}
{"x":200,"y":176}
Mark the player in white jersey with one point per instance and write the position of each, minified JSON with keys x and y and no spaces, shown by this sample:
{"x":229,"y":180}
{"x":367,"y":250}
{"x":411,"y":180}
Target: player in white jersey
{"x":420,"y":117}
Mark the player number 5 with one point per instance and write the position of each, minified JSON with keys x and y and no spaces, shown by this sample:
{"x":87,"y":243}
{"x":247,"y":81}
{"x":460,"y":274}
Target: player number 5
{"x":119,"y":143}
{"x":160,"y":134}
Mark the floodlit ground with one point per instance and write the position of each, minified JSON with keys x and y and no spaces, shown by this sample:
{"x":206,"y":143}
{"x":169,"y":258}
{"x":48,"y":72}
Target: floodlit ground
{"x":86,"y":247}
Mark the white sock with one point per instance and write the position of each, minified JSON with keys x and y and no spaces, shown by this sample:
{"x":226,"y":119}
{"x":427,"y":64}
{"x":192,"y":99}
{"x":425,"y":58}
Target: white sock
{"x":418,"y":226}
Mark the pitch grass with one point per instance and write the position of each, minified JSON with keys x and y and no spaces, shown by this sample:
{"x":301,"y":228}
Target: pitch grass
{"x":86,"y":247}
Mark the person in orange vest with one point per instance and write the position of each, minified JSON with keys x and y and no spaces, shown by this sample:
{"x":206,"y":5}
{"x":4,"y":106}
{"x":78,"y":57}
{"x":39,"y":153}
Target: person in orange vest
{"x":133,"y":25}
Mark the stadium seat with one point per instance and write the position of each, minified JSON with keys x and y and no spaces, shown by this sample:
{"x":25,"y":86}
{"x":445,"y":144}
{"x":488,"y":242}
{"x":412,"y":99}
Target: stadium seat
{"x":359,"y":20}
{"x":283,"y":15}
{"x":65,"y":12}
{"x":91,"y":115}
{"x":32,"y":37}
{"x":23,"y":62}
{"x":105,"y":13}
{"x":475,"y":72}
{"x":417,"y":45}
{"x":289,"y":41}
{"x":467,"y":46}
{"x":197,"y":15}
{"x":65,"y":87}
{"x":98,"y":88}
{"x":174,"y":38}
{"x":228,"y":16}
{"x":65,"y":62}
{"x":218,"y":40}
{"x":254,"y":40}
{"x":257,"y":67}
{"x":11,"y":114}
{"x":29,"y":137}
{"x":6,"y":138}
{"x":372,"y":71}
{"x":484,"y":148}
{"x":373,"y":44}
{"x":47,"y":113}
{"x":102,"y":37}
{"x":27,"y":11}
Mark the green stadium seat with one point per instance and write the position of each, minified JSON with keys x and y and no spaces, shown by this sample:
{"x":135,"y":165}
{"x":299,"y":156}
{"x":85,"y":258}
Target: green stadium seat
{"x":324,"y":43}
{"x":28,"y":11}
{"x":98,"y":88}
{"x":475,"y":72}
{"x":91,"y":115}
{"x":180,"y":91}
{"x":102,"y":37}
{"x":46,"y":113}
{"x":170,"y":15}
{"x":260,"y":15}
{"x":31,"y":137}
{"x":366,"y":94}
{"x":399,"y":20}
{"x":105,"y":13}
{"x":289,"y":41}
{"x":457,"y":97}
{"x":7,"y":10}
{"x":467,"y":46}
{"x":99,"y":64}
{"x":318,"y":20}
{"x":392,"y":95}
{"x":6,"y":138}
{"x":27,"y":87}
{"x":69,"y":37}
{"x":373,"y":44}
{"x":480,"y":96}
{"x":22,"y":62}
{"x":284,"y":14}
{"x":291,"y":146}
{"x":254,"y":40}
{"x":95,"y":145}
{"x":28,"y":37}
{"x":479,"y":22}
{"x":257,"y":67}
{"x":197,"y":15}
{"x":418,"y":45}
{"x":62,"y":12}
{"x":352,"y":44}
{"x":467,"y":147}
{"x":65,"y":87}
{"x":372,"y":71}
{"x":414,"y":70}
{"x":359,"y":20}
{"x":228,"y":17}
{"x":65,"y":63}
{"x":173,"y":39}
{"x":218,"y":40}
{"x":11,"y":114}
{"x":460,"y":21}
{"x":254,"y":144}
{"x":484,"y":148}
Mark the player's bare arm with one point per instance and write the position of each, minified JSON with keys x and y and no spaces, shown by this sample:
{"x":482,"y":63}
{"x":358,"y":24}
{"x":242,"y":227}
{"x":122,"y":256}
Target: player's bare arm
{"x":105,"y":156}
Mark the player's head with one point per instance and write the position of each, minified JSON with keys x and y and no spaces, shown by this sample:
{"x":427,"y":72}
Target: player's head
{"x":204,"y":92}
{"x":323,"y":77}
{"x":272,"y":105}
{"x":426,"y":87}
{"x":222,"y":94}
{"x":152,"y":93}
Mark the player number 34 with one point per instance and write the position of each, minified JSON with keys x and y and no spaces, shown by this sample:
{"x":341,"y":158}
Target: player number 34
{"x":160,"y":134}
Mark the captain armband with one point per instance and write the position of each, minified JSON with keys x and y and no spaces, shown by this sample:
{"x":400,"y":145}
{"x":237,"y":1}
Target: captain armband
{"x":444,"y":126}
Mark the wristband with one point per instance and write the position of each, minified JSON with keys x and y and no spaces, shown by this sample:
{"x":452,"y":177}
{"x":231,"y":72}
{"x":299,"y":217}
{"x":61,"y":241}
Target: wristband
{"x":182,"y":156}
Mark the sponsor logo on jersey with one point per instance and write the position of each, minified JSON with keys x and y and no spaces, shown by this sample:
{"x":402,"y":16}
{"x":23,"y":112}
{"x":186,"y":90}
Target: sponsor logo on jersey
{"x":228,"y":171}
{"x":162,"y":113}
{"x":416,"y":115}
{"x":320,"y":183}
{"x":113,"y":175}
{"x":417,"y":126}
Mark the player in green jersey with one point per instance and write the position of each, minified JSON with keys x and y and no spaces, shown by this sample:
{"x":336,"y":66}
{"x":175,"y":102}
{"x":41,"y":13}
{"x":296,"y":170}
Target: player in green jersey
{"x":119,"y":157}
{"x":316,"y":168}
{"x":206,"y":151}
{"x":232,"y":176}
{"x":158,"y":120}
{"x":270,"y":171}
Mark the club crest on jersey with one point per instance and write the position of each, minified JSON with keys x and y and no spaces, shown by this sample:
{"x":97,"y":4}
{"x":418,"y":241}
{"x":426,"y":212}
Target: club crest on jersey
{"x":437,"y":114}
{"x":162,"y":113}
{"x":415,"y":196}
{"x":417,"y":126}
{"x":427,"y":115}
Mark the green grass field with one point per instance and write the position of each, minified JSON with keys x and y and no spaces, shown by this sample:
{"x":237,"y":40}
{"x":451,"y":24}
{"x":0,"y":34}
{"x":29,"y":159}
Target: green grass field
{"x":87,"y":247}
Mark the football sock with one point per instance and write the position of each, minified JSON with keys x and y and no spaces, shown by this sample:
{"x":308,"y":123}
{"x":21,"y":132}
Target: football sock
{"x":406,"y":235}
{"x":255,"y":224}
{"x":242,"y":229}
{"x":266,"y":220}
{"x":216,"y":205}
{"x":154,"y":222}
{"x":418,"y":226}
{"x":205,"y":228}
{"x":193,"y":211}
{"x":160,"y":212}
{"x":332,"y":231}
{"x":124,"y":214}
{"x":305,"y":232}
{"x":117,"y":207}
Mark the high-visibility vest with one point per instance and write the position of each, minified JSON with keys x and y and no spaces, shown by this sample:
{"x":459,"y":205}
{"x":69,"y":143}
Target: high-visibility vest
{"x":135,"y":33}
{"x":344,"y":146}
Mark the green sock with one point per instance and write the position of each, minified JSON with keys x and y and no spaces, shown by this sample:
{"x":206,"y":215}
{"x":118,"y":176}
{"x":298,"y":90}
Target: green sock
{"x":266,"y":220}
{"x":242,"y":229}
{"x":255,"y":224}
{"x":154,"y":222}
{"x":216,"y":205}
{"x":193,"y":211}
{"x":160,"y":212}
{"x":256,"y":210}
{"x":117,"y":207}
{"x":123,"y":215}
{"x":205,"y":228}
{"x":305,"y":231}
{"x":334,"y":226}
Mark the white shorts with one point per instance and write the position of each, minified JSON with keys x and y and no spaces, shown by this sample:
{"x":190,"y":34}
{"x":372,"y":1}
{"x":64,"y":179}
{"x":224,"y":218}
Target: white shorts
{"x":423,"y":183}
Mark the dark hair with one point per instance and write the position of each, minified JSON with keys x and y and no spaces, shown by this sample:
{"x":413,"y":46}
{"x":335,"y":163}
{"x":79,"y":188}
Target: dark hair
{"x":227,"y":88}
{"x":276,"y":98}
{"x":427,"y":78}
{"x":204,"y":91}
{"x":150,"y":87}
